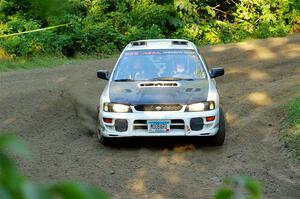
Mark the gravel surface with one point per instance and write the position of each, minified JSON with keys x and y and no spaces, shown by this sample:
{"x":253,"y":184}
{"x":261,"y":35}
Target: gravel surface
{"x":54,"y":111}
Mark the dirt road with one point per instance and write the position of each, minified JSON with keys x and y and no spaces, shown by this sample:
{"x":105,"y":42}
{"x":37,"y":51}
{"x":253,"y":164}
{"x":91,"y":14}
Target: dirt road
{"x":54,"y":111}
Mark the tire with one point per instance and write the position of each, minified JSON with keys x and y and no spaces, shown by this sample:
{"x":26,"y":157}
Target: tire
{"x":218,"y":139}
{"x":106,"y":141}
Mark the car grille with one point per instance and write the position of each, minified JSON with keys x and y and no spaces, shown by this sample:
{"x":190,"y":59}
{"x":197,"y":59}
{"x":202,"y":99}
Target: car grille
{"x":158,"y":107}
{"x":142,"y":124}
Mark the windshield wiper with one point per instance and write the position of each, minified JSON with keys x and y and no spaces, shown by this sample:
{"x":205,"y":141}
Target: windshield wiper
{"x":124,"y":80}
{"x":171,"y":79}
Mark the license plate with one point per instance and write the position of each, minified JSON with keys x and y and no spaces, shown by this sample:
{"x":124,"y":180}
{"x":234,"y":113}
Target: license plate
{"x":158,"y":126}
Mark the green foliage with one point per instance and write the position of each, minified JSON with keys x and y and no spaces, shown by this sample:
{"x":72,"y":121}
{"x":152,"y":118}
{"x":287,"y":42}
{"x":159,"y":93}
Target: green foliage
{"x":239,"y":187}
{"x":264,"y":18}
{"x":13,"y":185}
{"x":32,"y":62}
{"x":45,"y":61}
{"x":105,"y":26}
{"x":294,"y":111}
{"x":291,"y":135}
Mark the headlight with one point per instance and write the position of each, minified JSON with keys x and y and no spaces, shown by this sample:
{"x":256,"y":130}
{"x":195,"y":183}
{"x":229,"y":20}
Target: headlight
{"x":201,"y":106}
{"x":117,"y":108}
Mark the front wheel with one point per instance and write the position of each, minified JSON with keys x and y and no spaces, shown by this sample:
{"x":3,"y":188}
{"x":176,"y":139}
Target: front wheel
{"x":218,"y":139}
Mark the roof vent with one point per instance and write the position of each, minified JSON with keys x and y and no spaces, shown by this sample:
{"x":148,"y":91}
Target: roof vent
{"x":159,"y":84}
{"x":139,"y":43}
{"x":179,"y":42}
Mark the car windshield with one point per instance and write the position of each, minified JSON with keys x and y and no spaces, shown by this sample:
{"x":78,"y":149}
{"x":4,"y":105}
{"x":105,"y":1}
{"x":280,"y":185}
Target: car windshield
{"x":164,"y":65}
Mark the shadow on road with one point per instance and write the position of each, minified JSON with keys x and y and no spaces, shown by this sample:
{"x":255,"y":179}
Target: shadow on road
{"x":181,"y":143}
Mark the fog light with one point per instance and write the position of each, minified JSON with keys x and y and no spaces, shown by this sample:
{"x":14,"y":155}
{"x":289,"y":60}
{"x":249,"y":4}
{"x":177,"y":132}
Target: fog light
{"x":121,"y":125}
{"x":196,"y":123}
{"x":107,"y":120}
{"x":210,"y":118}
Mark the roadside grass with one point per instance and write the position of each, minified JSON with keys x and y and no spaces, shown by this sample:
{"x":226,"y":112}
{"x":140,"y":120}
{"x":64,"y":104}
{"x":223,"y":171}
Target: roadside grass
{"x":33,"y":62}
{"x":43,"y":61}
{"x":291,"y":135}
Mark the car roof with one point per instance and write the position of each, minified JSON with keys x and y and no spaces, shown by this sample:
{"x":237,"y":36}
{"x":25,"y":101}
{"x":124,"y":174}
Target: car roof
{"x":161,"y":44}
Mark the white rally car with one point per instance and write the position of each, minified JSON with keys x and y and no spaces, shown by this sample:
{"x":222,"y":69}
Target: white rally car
{"x":160,"y":87}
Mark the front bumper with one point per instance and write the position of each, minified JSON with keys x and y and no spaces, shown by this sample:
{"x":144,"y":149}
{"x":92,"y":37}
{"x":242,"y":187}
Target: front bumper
{"x":180,"y":123}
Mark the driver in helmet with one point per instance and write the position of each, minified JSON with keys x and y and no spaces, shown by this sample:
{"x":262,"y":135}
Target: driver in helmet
{"x":180,"y":68}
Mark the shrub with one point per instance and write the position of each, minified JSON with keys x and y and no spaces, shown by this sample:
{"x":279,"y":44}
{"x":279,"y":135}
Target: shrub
{"x":107,"y":26}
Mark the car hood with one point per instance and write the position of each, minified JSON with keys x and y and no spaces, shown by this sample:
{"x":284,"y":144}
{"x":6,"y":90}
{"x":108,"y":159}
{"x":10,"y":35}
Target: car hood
{"x":186,"y":92}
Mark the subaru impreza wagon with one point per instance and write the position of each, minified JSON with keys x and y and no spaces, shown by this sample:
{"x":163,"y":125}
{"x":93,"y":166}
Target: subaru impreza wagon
{"x":160,"y":87}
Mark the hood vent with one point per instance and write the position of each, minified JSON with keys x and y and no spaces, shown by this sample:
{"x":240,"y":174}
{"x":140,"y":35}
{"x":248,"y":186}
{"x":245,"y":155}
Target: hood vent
{"x":158,"y":84}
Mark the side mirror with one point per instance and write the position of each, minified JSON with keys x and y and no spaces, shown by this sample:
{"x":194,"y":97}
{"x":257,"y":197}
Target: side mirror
{"x":216,"y":72}
{"x":103,"y":74}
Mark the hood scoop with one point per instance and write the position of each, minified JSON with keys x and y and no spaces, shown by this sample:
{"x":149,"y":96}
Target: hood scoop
{"x":159,"y":84}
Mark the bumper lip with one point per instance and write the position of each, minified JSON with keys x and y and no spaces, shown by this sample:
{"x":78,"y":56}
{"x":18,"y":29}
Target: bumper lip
{"x":209,"y":128}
